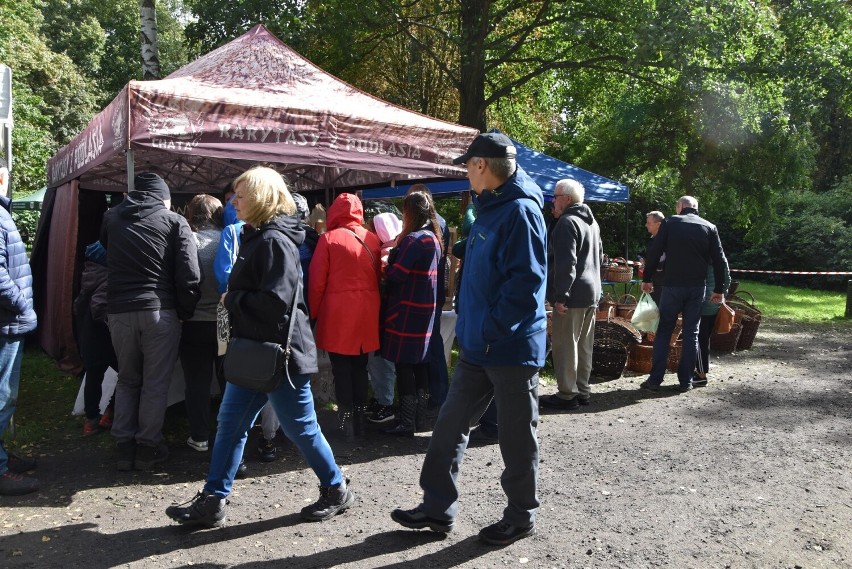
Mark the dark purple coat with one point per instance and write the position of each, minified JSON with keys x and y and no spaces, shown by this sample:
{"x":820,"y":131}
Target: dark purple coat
{"x":409,"y":310}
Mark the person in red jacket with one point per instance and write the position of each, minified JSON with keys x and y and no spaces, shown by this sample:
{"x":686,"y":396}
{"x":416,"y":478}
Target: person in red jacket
{"x":344,"y":298}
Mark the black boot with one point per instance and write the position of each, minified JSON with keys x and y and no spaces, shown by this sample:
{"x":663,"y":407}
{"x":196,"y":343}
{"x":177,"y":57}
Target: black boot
{"x":345,"y":424}
{"x":360,"y":421}
{"x":426,"y":414}
{"x":405,"y":417}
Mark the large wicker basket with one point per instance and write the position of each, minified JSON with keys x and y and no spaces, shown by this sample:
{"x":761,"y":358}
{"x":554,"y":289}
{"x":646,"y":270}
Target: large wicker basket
{"x":609,"y":357}
{"x":743,"y":303}
{"x":619,"y":271}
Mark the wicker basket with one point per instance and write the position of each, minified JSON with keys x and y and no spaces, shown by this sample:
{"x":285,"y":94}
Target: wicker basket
{"x":675,"y":348}
{"x":617,"y":329}
{"x":619,"y":271}
{"x":726,"y":343}
{"x":625,"y":306}
{"x":743,"y":304}
{"x":640,"y":358}
{"x":609,"y":357}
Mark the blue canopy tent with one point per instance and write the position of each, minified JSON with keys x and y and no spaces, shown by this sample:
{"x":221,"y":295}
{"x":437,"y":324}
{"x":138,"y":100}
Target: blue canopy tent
{"x":543,"y":169}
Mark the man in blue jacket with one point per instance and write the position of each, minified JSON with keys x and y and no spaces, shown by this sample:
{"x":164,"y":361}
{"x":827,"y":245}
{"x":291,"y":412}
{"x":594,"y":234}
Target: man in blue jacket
{"x":501,"y":331}
{"x":17,"y":318}
{"x":690,"y":245}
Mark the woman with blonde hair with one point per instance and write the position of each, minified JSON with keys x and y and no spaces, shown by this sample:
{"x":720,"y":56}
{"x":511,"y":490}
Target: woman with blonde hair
{"x":262,"y":288}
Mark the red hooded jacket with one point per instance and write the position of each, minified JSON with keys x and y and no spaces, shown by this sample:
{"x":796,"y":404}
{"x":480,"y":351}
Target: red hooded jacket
{"x":344,"y":282}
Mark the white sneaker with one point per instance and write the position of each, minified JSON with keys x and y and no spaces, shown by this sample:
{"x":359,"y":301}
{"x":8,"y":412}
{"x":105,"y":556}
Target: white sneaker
{"x":200,"y":446}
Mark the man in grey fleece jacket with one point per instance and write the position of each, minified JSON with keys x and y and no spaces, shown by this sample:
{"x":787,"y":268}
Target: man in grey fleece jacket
{"x":574,"y":288}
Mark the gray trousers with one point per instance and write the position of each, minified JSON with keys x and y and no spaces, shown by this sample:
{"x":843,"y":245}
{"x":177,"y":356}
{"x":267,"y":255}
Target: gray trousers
{"x":572,"y":342}
{"x":146,"y":343}
{"x":515,"y":393}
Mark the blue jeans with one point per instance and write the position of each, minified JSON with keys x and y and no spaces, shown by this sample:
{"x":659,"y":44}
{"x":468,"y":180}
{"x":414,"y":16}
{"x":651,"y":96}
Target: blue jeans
{"x":295,"y":410}
{"x":515,"y":393}
{"x":488,"y":421}
{"x":11,"y":353}
{"x":687,"y":300}
{"x":382,"y":378}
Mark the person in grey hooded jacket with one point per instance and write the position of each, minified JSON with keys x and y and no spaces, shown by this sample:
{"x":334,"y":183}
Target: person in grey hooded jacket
{"x":574,"y":288}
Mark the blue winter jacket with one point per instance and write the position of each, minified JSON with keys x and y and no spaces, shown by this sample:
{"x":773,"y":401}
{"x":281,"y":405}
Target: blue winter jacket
{"x":501,"y":318}
{"x":17,"y":316}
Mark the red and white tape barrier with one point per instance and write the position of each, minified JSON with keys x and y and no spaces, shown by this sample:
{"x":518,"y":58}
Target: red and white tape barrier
{"x":789,"y":272}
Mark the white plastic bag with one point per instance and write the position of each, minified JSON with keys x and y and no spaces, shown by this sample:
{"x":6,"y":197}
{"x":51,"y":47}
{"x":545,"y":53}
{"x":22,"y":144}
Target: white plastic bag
{"x":646,"y":317}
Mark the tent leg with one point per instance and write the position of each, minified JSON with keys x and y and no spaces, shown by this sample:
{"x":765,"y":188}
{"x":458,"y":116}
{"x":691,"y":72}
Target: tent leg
{"x":627,"y":230}
{"x":130,"y":170}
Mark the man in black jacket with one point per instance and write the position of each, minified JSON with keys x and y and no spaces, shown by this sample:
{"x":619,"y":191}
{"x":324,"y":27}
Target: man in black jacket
{"x":573,"y":289}
{"x":153,"y":284}
{"x":690,"y":244}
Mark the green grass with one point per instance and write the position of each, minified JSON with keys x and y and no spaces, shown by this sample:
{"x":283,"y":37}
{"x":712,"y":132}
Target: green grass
{"x":797,"y":304}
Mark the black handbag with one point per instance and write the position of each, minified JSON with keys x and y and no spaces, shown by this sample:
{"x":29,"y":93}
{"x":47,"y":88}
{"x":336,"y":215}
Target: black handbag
{"x":256,"y":365}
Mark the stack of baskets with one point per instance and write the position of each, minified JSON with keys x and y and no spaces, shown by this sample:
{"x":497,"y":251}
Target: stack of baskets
{"x":614,"y":339}
{"x":727,"y":343}
{"x":641,"y":354}
{"x":606,"y":308}
{"x":743,"y":303}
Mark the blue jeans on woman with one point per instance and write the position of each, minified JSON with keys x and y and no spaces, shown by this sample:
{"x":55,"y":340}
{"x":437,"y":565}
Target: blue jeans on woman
{"x":295,"y":410}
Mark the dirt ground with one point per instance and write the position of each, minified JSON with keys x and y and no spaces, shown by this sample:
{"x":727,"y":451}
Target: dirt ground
{"x":754,"y":470}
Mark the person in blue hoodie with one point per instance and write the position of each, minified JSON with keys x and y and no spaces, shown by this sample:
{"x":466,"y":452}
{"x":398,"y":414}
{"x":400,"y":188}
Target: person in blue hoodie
{"x":501,"y":331}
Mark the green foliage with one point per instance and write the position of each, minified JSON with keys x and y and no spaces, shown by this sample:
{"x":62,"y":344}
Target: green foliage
{"x":813,"y":232}
{"x":52,"y":100}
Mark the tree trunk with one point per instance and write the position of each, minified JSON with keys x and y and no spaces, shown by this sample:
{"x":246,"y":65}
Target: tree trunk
{"x":148,"y":40}
{"x":474,"y":30}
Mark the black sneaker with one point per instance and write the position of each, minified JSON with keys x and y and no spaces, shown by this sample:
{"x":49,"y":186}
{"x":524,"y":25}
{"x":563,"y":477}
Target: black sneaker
{"x":383,"y":414}
{"x":699,"y":381}
{"x":19,"y":465}
{"x":267,"y":450}
{"x":647,"y":385}
{"x":12,"y":484}
{"x":584,"y":400}
{"x":682,"y":387}
{"x":372,"y":407}
{"x":479,"y":436}
{"x":416,"y":519}
{"x":126,"y":454}
{"x":242,"y":470}
{"x":148,"y":457}
{"x":333,"y":500}
{"x":504,"y":533}
{"x":555,"y":402}
{"x":204,"y":510}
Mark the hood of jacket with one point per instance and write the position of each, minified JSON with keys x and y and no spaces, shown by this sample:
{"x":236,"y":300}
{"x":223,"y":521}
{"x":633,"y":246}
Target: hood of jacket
{"x":519,"y":185}
{"x":139,"y":205}
{"x":287,"y":225}
{"x":345,"y":211}
{"x":581,"y":211}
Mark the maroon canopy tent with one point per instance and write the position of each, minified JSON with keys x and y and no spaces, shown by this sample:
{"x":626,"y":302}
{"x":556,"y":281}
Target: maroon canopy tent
{"x":252,"y":100}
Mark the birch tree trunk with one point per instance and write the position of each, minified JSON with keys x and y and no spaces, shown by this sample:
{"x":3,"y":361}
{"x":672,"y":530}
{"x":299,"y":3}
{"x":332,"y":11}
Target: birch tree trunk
{"x":148,"y":40}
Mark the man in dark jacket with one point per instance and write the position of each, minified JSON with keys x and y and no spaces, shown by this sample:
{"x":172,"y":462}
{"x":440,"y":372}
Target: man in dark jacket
{"x":153,"y":284}
{"x":501,"y":331}
{"x":690,"y":244}
{"x":574,"y":288}
{"x":17,"y":318}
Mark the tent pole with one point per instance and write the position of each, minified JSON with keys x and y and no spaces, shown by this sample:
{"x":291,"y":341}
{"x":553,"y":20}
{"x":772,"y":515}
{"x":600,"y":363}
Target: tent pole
{"x":627,"y":230}
{"x":130,"y":170}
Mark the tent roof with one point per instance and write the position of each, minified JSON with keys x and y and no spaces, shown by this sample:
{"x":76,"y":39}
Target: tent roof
{"x":543,"y":169}
{"x":32,"y":201}
{"x":256,"y":100}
